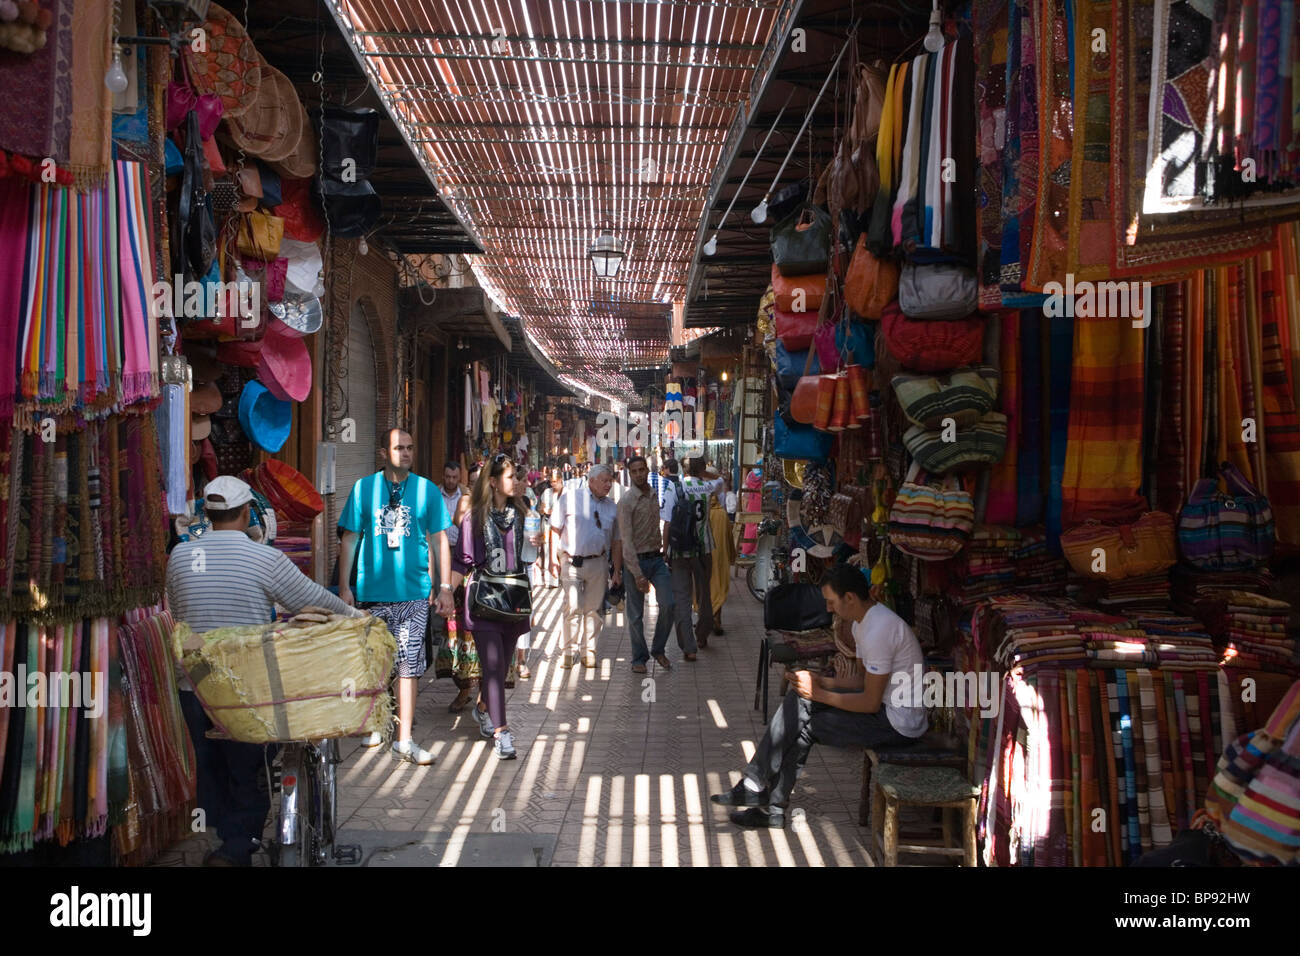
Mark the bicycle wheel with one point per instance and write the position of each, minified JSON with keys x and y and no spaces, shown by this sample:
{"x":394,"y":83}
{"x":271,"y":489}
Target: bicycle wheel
{"x":297,"y":803}
{"x":752,"y":582}
{"x":329,"y":794}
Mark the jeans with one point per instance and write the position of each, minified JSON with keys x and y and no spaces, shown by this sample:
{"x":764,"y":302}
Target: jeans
{"x":229,"y":794}
{"x":800,"y":723}
{"x":692,"y":575}
{"x":656,"y":572}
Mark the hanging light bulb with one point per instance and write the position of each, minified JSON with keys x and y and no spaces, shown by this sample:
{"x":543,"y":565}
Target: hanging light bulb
{"x":934,"y":36}
{"x":759,"y":212}
{"x":363,"y":247}
{"x":115,"y":79}
{"x":711,"y":246}
{"x":724,"y":376}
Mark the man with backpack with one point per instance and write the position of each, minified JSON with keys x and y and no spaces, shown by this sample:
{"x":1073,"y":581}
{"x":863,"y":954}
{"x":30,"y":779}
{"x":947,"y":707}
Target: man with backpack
{"x":688,"y":544}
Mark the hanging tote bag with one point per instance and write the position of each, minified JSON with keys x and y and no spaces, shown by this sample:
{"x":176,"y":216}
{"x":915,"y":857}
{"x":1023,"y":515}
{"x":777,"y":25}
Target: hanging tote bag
{"x":795,"y":329}
{"x":932,"y":346}
{"x":964,"y":395}
{"x":260,"y":235}
{"x":801,"y":242}
{"x":930,"y":522}
{"x":983,"y":444}
{"x":1226,"y":532}
{"x":1113,"y":553}
{"x":871,"y":283}
{"x":800,"y":442}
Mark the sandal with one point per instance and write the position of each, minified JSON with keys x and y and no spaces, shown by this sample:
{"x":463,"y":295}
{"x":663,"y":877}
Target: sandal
{"x":460,"y":703}
{"x":524,"y":673}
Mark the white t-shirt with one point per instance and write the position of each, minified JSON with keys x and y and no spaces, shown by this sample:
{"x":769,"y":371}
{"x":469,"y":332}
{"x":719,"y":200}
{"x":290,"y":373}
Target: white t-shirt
{"x":886,"y":645}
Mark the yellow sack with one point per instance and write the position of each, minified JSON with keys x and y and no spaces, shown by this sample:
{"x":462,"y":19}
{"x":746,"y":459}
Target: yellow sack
{"x":278,"y":682}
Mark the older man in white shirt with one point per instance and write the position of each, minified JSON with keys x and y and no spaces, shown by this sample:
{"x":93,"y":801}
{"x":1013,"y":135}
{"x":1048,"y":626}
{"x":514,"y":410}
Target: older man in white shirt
{"x":586,"y":521}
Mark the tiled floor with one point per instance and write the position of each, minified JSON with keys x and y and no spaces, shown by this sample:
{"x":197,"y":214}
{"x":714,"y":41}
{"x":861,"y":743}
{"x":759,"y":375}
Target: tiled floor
{"x":619,"y":767}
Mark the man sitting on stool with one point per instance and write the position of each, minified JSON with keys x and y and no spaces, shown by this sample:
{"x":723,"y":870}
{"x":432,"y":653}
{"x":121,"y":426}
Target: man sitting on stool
{"x":818,"y":710}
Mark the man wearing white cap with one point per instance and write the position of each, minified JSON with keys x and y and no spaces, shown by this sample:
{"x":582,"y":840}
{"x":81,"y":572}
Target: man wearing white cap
{"x":225,"y":579}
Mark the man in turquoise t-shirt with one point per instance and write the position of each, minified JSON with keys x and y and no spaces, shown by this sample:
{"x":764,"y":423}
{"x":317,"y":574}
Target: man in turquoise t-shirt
{"x":402,"y":524}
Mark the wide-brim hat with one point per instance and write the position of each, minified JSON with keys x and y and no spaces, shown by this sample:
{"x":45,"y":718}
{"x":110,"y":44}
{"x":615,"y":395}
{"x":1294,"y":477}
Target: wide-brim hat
{"x":229,"y":67}
{"x":243,"y":354}
{"x":266,"y":420}
{"x":298,"y":312}
{"x":200,"y":427}
{"x":271,"y":127}
{"x":284,"y":365}
{"x":352,"y":209}
{"x":298,"y":498}
{"x":825,"y":541}
{"x":302,"y":162}
{"x":205,"y":399}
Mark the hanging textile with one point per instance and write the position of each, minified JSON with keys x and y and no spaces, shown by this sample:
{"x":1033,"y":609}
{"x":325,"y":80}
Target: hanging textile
{"x":1001,"y":503}
{"x":1048,"y":257}
{"x":989,"y":20}
{"x":1090,"y":250}
{"x":37,"y":110}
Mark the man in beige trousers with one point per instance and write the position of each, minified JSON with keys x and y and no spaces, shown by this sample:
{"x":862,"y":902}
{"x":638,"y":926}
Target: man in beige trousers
{"x":585,"y":520}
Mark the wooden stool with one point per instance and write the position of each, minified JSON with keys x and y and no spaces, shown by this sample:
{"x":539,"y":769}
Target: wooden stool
{"x":897,"y":785}
{"x":933,"y":749}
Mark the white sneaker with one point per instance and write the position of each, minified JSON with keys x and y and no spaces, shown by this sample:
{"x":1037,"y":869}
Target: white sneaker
{"x":374,"y":740}
{"x":408,"y":751}
{"x":504,"y":745}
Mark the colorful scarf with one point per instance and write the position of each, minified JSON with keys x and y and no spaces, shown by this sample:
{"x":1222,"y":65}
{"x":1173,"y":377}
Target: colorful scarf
{"x":37,"y":116}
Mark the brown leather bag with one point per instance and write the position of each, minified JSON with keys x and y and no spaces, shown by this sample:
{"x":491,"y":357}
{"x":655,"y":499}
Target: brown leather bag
{"x":786,"y":288}
{"x":871,"y":283}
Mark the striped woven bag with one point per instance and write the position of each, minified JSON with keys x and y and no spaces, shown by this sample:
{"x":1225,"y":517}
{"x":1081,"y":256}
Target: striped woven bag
{"x":930,"y":522}
{"x":1226,"y":532}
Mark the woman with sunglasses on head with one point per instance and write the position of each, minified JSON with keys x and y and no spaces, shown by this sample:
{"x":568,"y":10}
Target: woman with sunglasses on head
{"x":491,"y":542}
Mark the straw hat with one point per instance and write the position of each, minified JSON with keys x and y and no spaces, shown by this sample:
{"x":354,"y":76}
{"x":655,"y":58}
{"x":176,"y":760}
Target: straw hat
{"x":229,"y":67}
{"x":301,"y":163}
{"x":271,"y":127}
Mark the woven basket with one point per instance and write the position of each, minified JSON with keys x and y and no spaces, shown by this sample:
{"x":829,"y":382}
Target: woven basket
{"x":281,"y":683}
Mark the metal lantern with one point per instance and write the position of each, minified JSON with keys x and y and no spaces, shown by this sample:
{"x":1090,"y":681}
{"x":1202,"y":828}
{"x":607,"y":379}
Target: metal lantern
{"x":606,"y":256}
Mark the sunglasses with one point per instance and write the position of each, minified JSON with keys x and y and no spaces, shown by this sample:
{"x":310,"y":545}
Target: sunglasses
{"x":395,"y":496}
{"x":598,"y":524}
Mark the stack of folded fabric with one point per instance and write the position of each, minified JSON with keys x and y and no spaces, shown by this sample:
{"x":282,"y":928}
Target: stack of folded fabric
{"x":1038,"y":571}
{"x":1147,"y":592}
{"x":987,"y":565}
{"x":1191,"y":585}
{"x":1180,"y":643}
{"x":294,"y":540}
{"x":1251,"y":631}
{"x":1020,"y":631}
{"x":1115,"y":642}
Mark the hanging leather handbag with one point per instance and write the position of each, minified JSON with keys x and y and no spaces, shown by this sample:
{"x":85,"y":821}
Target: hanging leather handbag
{"x":791,"y":366}
{"x":937,"y":290}
{"x":798,"y":293}
{"x":800,"y":442}
{"x":196,"y":224}
{"x":932,"y":346}
{"x":1226,"y":532}
{"x":795,"y":329}
{"x":801,"y":242}
{"x":964,"y":395}
{"x":871,"y":283}
{"x":260,"y":235}
{"x":1102,"y":551}
{"x":795,"y":607}
{"x":500,"y":597}
{"x":349,"y":143}
{"x":928,"y":521}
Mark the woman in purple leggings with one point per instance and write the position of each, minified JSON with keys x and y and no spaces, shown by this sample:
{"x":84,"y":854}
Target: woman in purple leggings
{"x":491,"y":539}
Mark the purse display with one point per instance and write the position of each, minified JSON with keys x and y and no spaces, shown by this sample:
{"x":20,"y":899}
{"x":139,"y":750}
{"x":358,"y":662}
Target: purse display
{"x":795,"y":329}
{"x":928,"y":521}
{"x":1226,"y":532}
{"x":792,"y":366}
{"x":260,"y":235}
{"x":845,"y":516}
{"x":937,"y":290}
{"x":800,"y":442}
{"x":932,"y":346}
{"x":984,"y":443}
{"x":801,"y":242}
{"x":805,"y":291}
{"x":871,"y":283}
{"x":964,"y":395}
{"x":1102,"y":551}
{"x":500,"y":597}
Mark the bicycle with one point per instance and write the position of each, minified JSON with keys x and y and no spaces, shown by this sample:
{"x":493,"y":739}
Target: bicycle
{"x":306,"y":823}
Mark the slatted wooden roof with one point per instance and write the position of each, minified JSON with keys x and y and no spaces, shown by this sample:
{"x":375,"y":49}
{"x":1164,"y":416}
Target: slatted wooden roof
{"x":544,"y":122}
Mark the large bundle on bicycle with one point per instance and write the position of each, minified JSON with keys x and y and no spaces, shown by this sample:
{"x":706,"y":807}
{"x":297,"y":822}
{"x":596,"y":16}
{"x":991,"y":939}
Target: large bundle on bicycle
{"x":304,"y":679}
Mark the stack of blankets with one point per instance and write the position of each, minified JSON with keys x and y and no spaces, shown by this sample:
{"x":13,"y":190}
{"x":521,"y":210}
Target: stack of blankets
{"x":1148,"y":592}
{"x":1002,"y":560}
{"x":1180,"y":643}
{"x":1251,"y":631}
{"x":1191,"y":585}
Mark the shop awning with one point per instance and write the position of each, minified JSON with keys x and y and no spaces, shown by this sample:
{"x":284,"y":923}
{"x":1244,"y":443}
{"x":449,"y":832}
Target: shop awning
{"x":457,"y":314}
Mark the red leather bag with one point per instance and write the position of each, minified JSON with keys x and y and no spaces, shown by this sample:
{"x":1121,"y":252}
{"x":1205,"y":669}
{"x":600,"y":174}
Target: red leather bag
{"x":932,"y":345}
{"x":795,"y":329}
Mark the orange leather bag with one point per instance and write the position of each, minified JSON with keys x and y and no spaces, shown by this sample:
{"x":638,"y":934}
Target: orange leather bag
{"x":813,"y":287}
{"x":1097,"y":550}
{"x":871,"y":283}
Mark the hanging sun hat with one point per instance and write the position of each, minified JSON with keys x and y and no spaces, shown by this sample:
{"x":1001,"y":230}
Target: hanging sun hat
{"x":298,"y":311}
{"x":200,"y":427}
{"x":302,"y":218}
{"x":301,"y":163}
{"x":205,"y":399}
{"x":351,"y":208}
{"x":300,"y":498}
{"x":241,"y":354}
{"x":305,"y":266}
{"x":266,"y":420}
{"x":230,"y":65}
{"x":271,"y":127}
{"x":284,"y":365}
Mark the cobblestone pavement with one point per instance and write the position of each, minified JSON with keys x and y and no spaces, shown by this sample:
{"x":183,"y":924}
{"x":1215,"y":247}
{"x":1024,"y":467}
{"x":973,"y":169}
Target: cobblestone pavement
{"x":618,"y":767}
